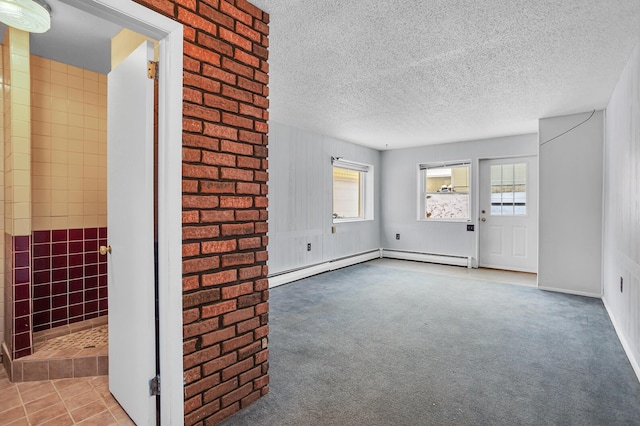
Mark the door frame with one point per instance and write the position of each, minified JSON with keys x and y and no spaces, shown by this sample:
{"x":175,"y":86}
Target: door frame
{"x":476,"y":208}
{"x":169,"y":33}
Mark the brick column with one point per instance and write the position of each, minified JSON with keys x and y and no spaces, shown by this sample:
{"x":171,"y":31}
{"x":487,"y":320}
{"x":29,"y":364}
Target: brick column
{"x":225,"y":290}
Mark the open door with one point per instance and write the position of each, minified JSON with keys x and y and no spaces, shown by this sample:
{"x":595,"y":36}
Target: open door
{"x":132,"y":342}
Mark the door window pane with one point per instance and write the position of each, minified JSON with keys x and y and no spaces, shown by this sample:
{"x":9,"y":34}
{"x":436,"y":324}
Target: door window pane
{"x":509,"y":189}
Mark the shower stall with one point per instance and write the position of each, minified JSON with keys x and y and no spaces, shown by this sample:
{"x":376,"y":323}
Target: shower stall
{"x":54,"y":190}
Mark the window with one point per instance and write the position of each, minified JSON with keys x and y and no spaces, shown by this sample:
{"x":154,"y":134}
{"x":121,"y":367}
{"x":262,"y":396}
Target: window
{"x":445,"y":191}
{"x":352,"y":191}
{"x":509,"y":189}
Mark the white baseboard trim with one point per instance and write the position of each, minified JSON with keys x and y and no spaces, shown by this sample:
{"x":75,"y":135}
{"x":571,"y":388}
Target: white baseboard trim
{"x":426,"y":257}
{"x":573,"y":292}
{"x":635,"y":363}
{"x":308,"y":271}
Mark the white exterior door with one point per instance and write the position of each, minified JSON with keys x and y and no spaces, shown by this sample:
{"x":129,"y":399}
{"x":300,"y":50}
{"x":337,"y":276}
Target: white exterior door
{"x":132,"y":345}
{"x":509,"y":214}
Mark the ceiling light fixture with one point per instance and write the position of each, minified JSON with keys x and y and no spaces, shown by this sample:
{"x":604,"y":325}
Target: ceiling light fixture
{"x":33,"y":16}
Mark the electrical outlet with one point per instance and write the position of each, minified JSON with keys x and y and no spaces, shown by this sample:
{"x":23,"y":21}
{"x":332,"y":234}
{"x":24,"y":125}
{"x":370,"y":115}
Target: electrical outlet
{"x":397,"y":236}
{"x":621,"y":284}
{"x":308,"y":246}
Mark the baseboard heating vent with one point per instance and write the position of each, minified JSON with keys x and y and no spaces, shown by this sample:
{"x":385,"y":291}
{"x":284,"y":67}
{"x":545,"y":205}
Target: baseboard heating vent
{"x":428,"y":257}
{"x":308,"y":271}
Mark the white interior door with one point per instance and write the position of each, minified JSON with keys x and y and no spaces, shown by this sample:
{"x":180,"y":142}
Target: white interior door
{"x":509,"y":214}
{"x":132,"y":346}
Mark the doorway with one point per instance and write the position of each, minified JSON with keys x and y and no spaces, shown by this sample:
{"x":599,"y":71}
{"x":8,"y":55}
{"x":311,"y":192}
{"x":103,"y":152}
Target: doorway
{"x":169,"y":33}
{"x":508,"y":204}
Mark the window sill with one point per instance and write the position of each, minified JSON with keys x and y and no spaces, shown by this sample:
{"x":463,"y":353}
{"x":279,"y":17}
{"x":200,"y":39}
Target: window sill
{"x":354,"y":219}
{"x":446,"y":220}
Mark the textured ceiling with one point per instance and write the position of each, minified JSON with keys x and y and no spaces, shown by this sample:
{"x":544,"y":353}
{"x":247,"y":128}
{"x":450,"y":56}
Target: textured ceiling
{"x":400,"y":73}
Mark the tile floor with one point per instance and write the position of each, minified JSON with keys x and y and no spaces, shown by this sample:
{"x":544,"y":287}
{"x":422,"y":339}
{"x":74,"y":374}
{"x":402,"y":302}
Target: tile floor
{"x":81,"y":353}
{"x":90,"y":338}
{"x":77,"y":401}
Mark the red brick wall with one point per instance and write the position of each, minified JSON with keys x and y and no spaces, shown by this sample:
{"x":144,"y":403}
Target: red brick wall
{"x":225,"y":290}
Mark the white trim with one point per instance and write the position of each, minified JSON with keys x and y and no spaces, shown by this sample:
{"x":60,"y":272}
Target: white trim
{"x":298,"y":274}
{"x":349,"y":165}
{"x":169,"y":33}
{"x":575,"y":293}
{"x":366,"y":190}
{"x":352,"y":260}
{"x":350,"y":219}
{"x":320,"y":268}
{"x":515,"y":269}
{"x":443,"y":164}
{"x":170,"y":226}
{"x":130,"y":15}
{"x":428,"y":257}
{"x":308,"y":271}
{"x":635,"y":363}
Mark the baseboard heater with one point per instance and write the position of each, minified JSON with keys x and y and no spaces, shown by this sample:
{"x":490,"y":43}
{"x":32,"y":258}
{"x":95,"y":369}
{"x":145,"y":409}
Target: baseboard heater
{"x":428,"y":257}
{"x":308,"y":271}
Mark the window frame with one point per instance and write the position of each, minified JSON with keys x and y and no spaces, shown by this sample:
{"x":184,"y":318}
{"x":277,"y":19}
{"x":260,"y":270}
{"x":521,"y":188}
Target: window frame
{"x":422,"y":190}
{"x":365,"y":193}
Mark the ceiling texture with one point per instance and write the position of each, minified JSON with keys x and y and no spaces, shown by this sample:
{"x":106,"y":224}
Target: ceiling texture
{"x":399,"y":73}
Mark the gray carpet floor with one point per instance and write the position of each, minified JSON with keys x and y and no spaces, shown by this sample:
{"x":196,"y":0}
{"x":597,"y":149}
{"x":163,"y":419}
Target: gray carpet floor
{"x":370,"y":345}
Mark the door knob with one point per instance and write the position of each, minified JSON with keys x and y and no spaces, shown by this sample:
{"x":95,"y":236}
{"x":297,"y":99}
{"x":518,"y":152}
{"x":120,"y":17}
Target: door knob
{"x":484,"y":219}
{"x":104,"y":250}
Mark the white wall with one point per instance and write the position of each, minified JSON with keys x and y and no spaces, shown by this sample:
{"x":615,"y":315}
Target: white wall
{"x":300,"y":200}
{"x":570,"y":204}
{"x":399,"y":194}
{"x":622,"y":209}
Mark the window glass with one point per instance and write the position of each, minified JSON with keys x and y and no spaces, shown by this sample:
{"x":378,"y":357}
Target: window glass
{"x":446,"y":192}
{"x":347,"y":197}
{"x":509,"y":189}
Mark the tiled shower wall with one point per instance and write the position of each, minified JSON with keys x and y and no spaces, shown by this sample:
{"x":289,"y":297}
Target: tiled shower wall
{"x":53,"y":181}
{"x":21,"y":294}
{"x":69,"y":202}
{"x":69,"y":146}
{"x":55,"y":204}
{"x":69,"y":276}
{"x":16,"y":185}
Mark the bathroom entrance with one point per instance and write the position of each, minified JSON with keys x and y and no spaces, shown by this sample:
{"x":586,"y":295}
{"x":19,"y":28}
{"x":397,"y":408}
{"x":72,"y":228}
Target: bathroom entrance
{"x":93,"y":225}
{"x":66,"y":267}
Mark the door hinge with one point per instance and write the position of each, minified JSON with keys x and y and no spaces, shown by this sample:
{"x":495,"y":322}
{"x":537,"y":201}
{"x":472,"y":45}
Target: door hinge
{"x":154,"y":386}
{"x":152,"y":70}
